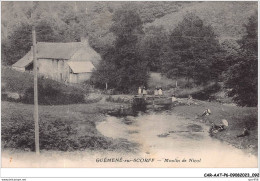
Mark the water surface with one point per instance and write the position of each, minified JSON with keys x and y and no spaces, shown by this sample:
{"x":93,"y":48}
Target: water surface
{"x":163,"y":136}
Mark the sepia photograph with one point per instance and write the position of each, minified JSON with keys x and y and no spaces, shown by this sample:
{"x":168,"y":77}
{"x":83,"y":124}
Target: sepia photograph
{"x":129,"y":84}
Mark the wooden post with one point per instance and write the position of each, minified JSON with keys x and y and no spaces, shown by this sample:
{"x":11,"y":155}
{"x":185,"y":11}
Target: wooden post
{"x":106,"y":86}
{"x":35,"y":113}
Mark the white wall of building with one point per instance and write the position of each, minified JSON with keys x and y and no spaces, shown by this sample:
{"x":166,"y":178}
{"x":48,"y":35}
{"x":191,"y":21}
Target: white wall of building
{"x":79,"y":78}
{"x":55,"y":69}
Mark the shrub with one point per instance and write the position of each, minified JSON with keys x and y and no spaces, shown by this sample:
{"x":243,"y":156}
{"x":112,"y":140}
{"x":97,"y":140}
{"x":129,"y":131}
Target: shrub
{"x":48,"y":95}
{"x":118,"y":99}
{"x":19,"y":133}
{"x":50,"y":92}
{"x":200,"y":92}
{"x":206,"y":94}
{"x":55,"y":134}
{"x":93,"y":142}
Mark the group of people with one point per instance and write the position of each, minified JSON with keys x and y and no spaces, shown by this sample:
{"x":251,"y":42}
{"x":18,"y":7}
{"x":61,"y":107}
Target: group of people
{"x":143,"y":91}
{"x":158,"y":91}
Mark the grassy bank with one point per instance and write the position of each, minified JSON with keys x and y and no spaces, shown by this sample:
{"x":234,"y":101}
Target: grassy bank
{"x":73,"y":127}
{"x":15,"y":81}
{"x":66,"y":127}
{"x":212,"y":91}
{"x":50,"y":92}
{"x":237,"y":117}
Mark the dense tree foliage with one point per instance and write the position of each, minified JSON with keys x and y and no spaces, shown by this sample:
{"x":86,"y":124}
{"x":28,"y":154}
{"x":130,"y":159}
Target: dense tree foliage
{"x":242,"y":77}
{"x":105,"y":75}
{"x":135,"y":37}
{"x":71,"y":20}
{"x":123,"y":66}
{"x":20,"y":41}
{"x":192,"y":51}
{"x":151,"y":46}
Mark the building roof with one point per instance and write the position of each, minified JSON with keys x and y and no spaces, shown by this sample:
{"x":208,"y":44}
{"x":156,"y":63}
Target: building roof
{"x":81,"y":67}
{"x":86,"y":54}
{"x":25,"y":61}
{"x":57,"y":50}
{"x":75,"y":51}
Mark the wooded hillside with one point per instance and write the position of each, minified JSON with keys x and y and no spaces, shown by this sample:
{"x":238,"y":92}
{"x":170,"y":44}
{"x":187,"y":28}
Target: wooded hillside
{"x":198,"y":41}
{"x":72,"y":20}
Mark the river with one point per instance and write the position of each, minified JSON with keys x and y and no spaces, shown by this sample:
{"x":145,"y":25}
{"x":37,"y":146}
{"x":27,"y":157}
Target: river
{"x":171,"y":140}
{"x":165,"y":140}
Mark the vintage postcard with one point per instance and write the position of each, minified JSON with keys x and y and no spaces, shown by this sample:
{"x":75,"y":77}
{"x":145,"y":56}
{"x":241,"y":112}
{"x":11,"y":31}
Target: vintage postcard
{"x":147,"y":84}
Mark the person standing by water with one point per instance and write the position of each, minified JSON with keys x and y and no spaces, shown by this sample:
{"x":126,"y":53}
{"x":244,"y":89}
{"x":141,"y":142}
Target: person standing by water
{"x":139,"y":91}
{"x":160,"y":92}
{"x":156,"y":91}
{"x":144,"y":91}
{"x":174,"y":98}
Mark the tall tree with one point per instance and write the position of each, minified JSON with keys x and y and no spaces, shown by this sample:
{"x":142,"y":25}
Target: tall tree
{"x":249,"y":42}
{"x":105,"y":75}
{"x":130,"y":70}
{"x":172,"y":66}
{"x":151,"y":45}
{"x":242,"y":77}
{"x":194,"y":43}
